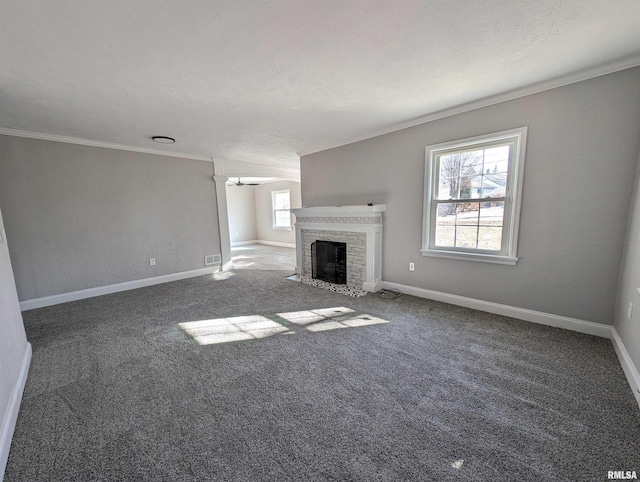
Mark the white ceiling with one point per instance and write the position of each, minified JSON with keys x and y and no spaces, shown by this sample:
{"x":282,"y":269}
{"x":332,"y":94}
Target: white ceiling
{"x":259,"y":81}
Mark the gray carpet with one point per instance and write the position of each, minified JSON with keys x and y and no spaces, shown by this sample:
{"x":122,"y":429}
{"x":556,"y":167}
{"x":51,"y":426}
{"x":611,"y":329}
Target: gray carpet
{"x":118,"y":391}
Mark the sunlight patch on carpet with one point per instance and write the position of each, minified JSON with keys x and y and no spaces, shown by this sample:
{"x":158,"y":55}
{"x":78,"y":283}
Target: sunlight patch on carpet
{"x":358,"y":320}
{"x":252,"y":327}
{"x":238,"y":328}
{"x":313,"y":316}
{"x":330,"y":319}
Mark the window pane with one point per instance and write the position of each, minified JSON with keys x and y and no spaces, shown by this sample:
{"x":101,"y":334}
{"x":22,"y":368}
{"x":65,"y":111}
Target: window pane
{"x":281,"y":200}
{"x":446,"y":213}
{"x":467,"y":214}
{"x":476,"y":186}
{"x":474,"y":166}
{"x":466,"y":187}
{"x":494,"y":185}
{"x":466,"y":236}
{"x":496,"y":160}
{"x":444,"y":188}
{"x":460,"y":164}
{"x":492,"y":214}
{"x":283,"y":219}
{"x":490,"y":238}
{"x":445,"y":236}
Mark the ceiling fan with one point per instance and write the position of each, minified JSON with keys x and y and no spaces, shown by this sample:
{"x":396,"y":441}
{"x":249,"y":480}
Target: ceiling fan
{"x":240,"y":183}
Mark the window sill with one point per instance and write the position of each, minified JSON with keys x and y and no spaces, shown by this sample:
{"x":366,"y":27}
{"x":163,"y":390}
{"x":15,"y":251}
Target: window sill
{"x":477,"y":257}
{"x":281,"y":229}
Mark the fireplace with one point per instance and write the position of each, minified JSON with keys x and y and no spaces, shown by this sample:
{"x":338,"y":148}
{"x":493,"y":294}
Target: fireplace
{"x":329,"y":261}
{"x":357,"y":227}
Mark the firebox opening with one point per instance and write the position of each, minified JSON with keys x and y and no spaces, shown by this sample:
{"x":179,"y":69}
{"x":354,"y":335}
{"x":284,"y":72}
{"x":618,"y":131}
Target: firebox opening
{"x":329,"y":261}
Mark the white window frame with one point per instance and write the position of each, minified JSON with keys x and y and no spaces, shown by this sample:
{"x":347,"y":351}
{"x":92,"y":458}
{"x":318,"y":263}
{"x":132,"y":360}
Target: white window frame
{"x":513,"y":197}
{"x":274,"y":210}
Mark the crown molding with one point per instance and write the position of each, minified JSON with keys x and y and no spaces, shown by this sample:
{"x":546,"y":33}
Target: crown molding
{"x":285,"y":172}
{"x":106,"y":145}
{"x":568,"y":79}
{"x":275,"y":170}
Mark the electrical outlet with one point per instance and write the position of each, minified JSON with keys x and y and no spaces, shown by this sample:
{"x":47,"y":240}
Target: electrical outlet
{"x":412,"y":267}
{"x":152,"y":261}
{"x":629,"y":310}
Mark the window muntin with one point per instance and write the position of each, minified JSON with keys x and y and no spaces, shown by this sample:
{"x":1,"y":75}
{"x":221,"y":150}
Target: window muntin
{"x":472,"y":197}
{"x":281,"y":205}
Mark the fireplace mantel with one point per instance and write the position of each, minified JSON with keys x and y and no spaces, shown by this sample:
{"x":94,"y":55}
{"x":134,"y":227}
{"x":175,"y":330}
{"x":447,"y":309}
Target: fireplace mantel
{"x":341,"y":211}
{"x":339,"y":222}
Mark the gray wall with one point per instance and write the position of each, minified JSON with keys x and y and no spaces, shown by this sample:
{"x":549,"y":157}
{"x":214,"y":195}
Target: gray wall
{"x":629,"y":329}
{"x":13,"y":341}
{"x":79,"y":217}
{"x":264,"y":215}
{"x":581,"y":153}
{"x":241,"y":205}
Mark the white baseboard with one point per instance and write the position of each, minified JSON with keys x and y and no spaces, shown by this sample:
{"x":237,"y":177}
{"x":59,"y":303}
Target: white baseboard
{"x":244,"y":243}
{"x":540,"y":317}
{"x":630,"y":370}
{"x":11,"y":416}
{"x":275,"y":243}
{"x":228,"y":266}
{"x":114,"y":288}
{"x":263,"y":241}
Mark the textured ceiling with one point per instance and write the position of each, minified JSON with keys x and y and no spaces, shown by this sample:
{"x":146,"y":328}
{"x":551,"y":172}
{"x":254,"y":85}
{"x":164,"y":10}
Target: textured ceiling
{"x":261,"y":80}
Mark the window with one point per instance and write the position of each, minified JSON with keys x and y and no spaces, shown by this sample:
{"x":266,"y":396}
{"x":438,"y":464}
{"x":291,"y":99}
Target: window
{"x":473,"y":189}
{"x":281,"y":202}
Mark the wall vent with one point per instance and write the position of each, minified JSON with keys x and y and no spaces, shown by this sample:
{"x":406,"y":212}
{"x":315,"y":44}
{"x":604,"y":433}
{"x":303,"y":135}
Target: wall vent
{"x":212,"y":259}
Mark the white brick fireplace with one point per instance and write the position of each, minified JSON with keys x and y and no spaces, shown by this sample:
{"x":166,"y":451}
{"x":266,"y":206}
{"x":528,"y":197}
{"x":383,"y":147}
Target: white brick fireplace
{"x":360,"y":227}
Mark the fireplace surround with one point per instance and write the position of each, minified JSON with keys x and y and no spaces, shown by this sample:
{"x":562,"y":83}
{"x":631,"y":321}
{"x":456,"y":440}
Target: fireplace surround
{"x":359,"y":227}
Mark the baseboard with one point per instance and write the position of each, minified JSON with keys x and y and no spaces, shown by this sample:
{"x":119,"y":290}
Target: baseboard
{"x":630,"y":370}
{"x":539,"y":317}
{"x":11,"y":416}
{"x":263,"y":241}
{"x":244,"y":243}
{"x":228,"y":266}
{"x":114,"y":288}
{"x":275,"y":243}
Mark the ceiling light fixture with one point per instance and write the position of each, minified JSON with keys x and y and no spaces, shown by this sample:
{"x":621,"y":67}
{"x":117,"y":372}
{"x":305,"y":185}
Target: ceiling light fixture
{"x":163,"y":139}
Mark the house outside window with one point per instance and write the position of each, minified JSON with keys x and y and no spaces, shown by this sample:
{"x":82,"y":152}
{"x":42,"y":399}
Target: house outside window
{"x":281,"y":203}
{"x":473,"y":191}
